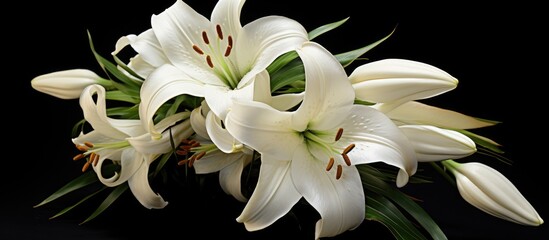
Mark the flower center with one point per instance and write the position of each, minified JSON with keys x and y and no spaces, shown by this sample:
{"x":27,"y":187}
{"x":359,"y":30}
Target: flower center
{"x":332,"y":148}
{"x":216,"y":55}
{"x":193,"y":151}
{"x":89,"y":151}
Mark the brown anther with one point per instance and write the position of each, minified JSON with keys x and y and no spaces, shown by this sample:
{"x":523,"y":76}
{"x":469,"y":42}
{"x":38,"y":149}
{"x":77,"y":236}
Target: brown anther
{"x":209,"y":61}
{"x":195,"y":144}
{"x":78,"y":157}
{"x":200,"y":155}
{"x":330,"y":164}
{"x":339,"y":134}
{"x":205,"y":37}
{"x":346,"y":159}
{"x":219,"y":32}
{"x":82,"y":148}
{"x":230,"y":41}
{"x":339,"y":172}
{"x":89,"y":144}
{"x":86,"y":166}
{"x":349,"y":148}
{"x":191,"y":161}
{"x":95,"y":159}
{"x":198,"y":50}
{"x":228,"y":51}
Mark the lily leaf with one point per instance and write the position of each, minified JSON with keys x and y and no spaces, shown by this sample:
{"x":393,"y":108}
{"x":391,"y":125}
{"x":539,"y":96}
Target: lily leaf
{"x":81,"y":181}
{"x":384,"y":211}
{"x":65,"y":210}
{"x":116,"y":192}
{"x":380,"y":187}
{"x":349,"y":57}
{"x":325,"y":28}
{"x":121,"y":96}
{"x":290,"y":73}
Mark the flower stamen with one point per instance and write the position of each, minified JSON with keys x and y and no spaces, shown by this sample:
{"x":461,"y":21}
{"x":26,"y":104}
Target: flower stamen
{"x":330,"y":164}
{"x":219,"y":32}
{"x":205,"y":37}
{"x":198,"y":50}
{"x":339,"y":134}
{"x":339,"y":172}
{"x":349,"y":148}
{"x":346,"y":159}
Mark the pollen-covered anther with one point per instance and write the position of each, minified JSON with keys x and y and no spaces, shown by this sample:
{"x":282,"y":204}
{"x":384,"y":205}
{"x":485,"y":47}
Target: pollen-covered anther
{"x":228,"y":51}
{"x":330,"y":164}
{"x":209,"y":61}
{"x":205,"y":37}
{"x":78,"y":157}
{"x":198,"y":50}
{"x":86,"y":165}
{"x":346,"y":159}
{"x":182,"y":162}
{"x":219,"y":32}
{"x":339,"y":134}
{"x":339,"y":172}
{"x":88,"y":144}
{"x":349,"y":148}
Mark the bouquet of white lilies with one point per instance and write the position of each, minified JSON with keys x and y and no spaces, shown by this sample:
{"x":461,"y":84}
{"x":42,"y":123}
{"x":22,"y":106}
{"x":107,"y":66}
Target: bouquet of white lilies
{"x":267,"y":102}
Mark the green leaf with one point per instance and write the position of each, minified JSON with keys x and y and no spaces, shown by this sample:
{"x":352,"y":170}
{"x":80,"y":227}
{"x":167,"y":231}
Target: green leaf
{"x":325,"y":28}
{"x":81,"y":181}
{"x":483,"y":141}
{"x":349,"y":57}
{"x":116,"y":192}
{"x":290,"y":73}
{"x":372,"y":183}
{"x":121,"y":96}
{"x":384,"y":211}
{"x":281,"y":61}
{"x":126,"y":68}
{"x":65,"y":210}
{"x":124,"y":112}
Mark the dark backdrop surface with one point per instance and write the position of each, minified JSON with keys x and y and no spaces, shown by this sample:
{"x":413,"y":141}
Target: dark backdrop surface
{"x":496,"y":51}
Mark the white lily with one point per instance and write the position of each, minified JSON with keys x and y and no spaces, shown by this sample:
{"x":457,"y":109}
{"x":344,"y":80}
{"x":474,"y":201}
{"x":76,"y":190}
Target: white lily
{"x":230,"y":165}
{"x":127,"y":143}
{"x":490,"y":191}
{"x":435,"y":144}
{"x":312,"y":152}
{"x":216,"y":59}
{"x":67,"y":84}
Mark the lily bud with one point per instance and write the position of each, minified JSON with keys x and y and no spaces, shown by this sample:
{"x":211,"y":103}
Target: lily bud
{"x":67,"y":84}
{"x":490,"y":191}
{"x":436,"y":144}
{"x":392,"y":80}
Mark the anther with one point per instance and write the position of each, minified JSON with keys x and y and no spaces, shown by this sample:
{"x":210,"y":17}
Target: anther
{"x":78,"y":157}
{"x":339,"y":172}
{"x":95,"y":159}
{"x":219,"y":32}
{"x":198,"y":50}
{"x":86,"y":166}
{"x":182,"y":162}
{"x":89,"y":144}
{"x":209,"y":61}
{"x":228,"y":51}
{"x":339,"y":134}
{"x":230,"y":41}
{"x":205,"y":37}
{"x":200,"y":155}
{"x":330,"y":164}
{"x":82,"y":148}
{"x":346,"y":159}
{"x":349,"y":148}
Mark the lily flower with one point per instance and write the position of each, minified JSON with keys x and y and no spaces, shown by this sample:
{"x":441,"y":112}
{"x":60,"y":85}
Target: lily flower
{"x":67,"y":84}
{"x":230,"y":164}
{"x":216,"y":59}
{"x":436,"y":144}
{"x":311,"y":152}
{"x":490,"y":191}
{"x":127,"y":143}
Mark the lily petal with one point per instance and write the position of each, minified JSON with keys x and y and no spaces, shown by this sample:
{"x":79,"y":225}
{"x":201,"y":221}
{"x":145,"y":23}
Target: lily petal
{"x":273,"y":197}
{"x":340,"y":202}
{"x":230,"y":177}
{"x":146,"y":43}
{"x":377,"y":139}
{"x":142,"y":191}
{"x":268,"y":126}
{"x":329,"y":95}
{"x":399,"y":80}
{"x":220,"y":136}
{"x":162,"y":85}
{"x":435,"y":144}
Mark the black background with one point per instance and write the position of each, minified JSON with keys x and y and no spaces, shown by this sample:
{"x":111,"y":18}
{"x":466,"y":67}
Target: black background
{"x":497,"y":51}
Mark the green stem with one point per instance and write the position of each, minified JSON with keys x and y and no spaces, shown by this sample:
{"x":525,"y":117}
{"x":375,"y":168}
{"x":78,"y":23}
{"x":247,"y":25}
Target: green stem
{"x":444,"y":174}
